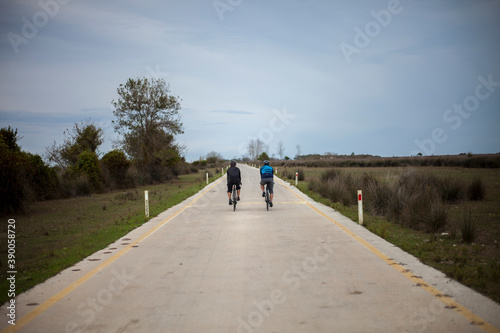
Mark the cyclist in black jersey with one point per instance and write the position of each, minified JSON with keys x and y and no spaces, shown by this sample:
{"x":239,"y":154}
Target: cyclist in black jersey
{"x":233,"y":177}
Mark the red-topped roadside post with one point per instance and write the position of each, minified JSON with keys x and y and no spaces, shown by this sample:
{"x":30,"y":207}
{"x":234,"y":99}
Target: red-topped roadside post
{"x":360,"y":207}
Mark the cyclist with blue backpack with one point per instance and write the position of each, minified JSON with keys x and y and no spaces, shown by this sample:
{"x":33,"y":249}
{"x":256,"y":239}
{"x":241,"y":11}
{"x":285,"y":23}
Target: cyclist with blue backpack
{"x":267,"y":177}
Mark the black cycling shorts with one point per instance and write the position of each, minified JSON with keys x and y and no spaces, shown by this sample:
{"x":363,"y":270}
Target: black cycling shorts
{"x":230,"y":186}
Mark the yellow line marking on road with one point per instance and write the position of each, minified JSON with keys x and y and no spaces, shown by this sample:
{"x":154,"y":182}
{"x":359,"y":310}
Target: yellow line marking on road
{"x":57,"y":297}
{"x":447,"y":300}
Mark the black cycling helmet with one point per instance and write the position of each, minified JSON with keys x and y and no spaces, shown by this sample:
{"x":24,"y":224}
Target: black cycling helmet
{"x":266,"y":162}
{"x":233,"y":163}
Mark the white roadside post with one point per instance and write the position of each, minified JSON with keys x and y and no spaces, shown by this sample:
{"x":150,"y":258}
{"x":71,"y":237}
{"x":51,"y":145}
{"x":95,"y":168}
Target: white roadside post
{"x":146,"y":202}
{"x":207,"y":177}
{"x":296,"y":178}
{"x":360,"y":207}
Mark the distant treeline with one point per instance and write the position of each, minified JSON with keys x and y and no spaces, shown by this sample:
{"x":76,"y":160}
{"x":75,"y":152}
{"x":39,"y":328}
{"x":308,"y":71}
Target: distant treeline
{"x":463,"y":160}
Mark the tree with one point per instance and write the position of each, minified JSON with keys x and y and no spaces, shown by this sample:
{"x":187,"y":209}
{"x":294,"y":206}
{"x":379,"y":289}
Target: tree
{"x":214,"y":157}
{"x":147,"y":116}
{"x":84,"y":136}
{"x":260,"y":147}
{"x":299,"y":150}
{"x":281,"y":149}
{"x":88,"y":136}
{"x":255,"y":148}
{"x":263,"y":157}
{"x":9,"y":138}
{"x":251,"y":149}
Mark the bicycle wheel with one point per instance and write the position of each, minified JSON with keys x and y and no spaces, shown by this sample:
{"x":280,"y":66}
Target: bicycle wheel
{"x":267,"y":198}
{"x":234,"y":198}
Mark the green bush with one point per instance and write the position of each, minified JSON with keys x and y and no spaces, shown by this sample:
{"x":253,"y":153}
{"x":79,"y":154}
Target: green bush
{"x":24,"y":177}
{"x":200,"y":164}
{"x":88,"y":165}
{"x":116,"y":165}
{"x":43,"y":179}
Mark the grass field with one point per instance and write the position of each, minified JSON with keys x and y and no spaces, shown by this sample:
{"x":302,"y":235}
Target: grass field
{"x":59,"y":233}
{"x":475,"y":264}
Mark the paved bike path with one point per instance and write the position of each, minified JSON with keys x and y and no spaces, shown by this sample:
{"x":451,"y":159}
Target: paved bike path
{"x":300,"y":267}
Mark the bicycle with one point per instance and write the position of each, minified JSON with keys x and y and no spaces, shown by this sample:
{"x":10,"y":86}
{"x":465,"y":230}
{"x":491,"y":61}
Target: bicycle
{"x":234,"y":197}
{"x":267,"y":197}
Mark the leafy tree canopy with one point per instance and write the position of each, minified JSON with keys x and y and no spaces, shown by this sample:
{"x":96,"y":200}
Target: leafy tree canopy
{"x":147,"y":116}
{"x":263,"y":157}
{"x":85,"y":136}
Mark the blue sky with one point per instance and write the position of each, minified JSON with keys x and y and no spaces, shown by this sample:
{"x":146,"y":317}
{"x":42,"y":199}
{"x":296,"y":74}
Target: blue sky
{"x":388,"y":78}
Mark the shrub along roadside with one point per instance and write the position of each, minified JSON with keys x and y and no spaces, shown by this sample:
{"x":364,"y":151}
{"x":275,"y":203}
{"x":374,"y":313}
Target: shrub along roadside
{"x":24,"y":176}
{"x":415,"y":199}
{"x":115,"y":165}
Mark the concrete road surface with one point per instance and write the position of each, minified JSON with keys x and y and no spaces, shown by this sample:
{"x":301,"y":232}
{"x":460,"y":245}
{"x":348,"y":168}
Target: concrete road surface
{"x":300,"y":267}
